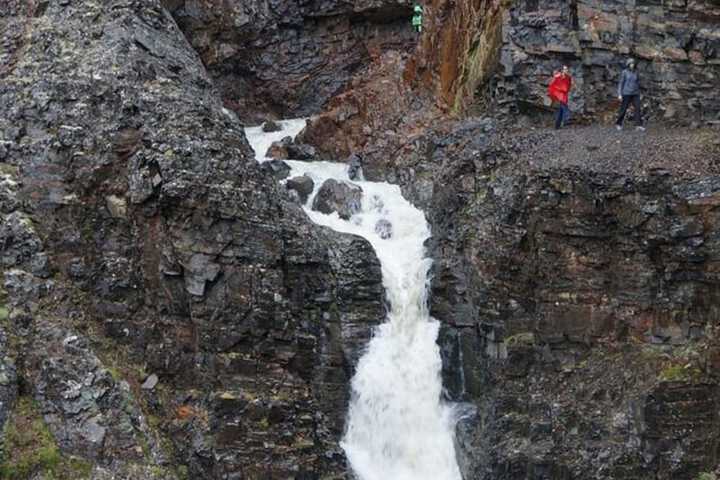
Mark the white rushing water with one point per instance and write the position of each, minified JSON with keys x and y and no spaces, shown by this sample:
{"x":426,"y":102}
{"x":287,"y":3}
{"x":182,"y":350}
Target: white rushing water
{"x":398,"y":428}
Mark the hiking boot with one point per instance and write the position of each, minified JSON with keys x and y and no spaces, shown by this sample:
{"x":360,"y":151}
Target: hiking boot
{"x":618,"y":127}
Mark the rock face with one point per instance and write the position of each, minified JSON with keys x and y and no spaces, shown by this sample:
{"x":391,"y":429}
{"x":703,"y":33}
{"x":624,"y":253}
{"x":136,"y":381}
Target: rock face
{"x":139,"y":237}
{"x":576,"y":312}
{"x":289,"y":57}
{"x":338,"y":196}
{"x":676,"y":44}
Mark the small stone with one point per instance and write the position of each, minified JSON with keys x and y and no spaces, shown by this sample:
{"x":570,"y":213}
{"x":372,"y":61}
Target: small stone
{"x":150,"y":382}
{"x":384,"y":229}
{"x":117,"y":206}
{"x":354,"y":167}
{"x":269,"y":126}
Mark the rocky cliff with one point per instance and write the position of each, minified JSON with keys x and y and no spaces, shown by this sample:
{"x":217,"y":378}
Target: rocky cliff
{"x":676,"y":44}
{"x":574,"y":271}
{"x":288,"y":58}
{"x":166,"y":312}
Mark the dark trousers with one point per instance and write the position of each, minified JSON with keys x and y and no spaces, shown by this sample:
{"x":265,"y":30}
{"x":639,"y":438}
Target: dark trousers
{"x":626,"y":101}
{"x":562,"y":115}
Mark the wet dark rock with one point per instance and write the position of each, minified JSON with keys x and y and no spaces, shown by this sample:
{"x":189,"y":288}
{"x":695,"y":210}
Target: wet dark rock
{"x":354,"y":162}
{"x":277,"y":168}
{"x":270,"y":126}
{"x":301,"y":151}
{"x":546,"y":281}
{"x":303,"y":185}
{"x":279,"y":149}
{"x":338,"y":196}
{"x":138,"y":233}
{"x":290,"y":59}
{"x":384,"y":228}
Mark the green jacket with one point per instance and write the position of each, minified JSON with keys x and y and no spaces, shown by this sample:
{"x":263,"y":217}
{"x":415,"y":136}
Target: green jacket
{"x":417,"y":17}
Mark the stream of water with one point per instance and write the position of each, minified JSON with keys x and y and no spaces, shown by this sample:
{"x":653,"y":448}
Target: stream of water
{"x":397,"y":426}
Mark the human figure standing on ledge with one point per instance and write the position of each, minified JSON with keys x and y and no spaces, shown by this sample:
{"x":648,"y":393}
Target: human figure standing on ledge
{"x":629,"y":92}
{"x":559,"y":91}
{"x":417,"y":18}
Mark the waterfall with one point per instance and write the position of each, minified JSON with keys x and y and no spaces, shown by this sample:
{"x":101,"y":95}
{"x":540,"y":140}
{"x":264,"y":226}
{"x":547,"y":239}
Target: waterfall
{"x":397,"y":426}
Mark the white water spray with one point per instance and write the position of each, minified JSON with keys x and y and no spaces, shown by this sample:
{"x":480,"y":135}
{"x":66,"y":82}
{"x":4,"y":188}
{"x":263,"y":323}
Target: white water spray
{"x":398,"y":428}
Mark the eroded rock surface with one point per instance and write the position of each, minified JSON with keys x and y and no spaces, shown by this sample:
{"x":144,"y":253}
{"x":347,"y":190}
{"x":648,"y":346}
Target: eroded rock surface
{"x":140,"y":237}
{"x":575,"y":304}
{"x":289,"y":58}
{"x":676,"y":44}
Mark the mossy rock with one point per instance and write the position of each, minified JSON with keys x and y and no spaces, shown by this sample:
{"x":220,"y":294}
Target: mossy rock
{"x":520,"y":339}
{"x":680,"y":373}
{"x":30,"y":448}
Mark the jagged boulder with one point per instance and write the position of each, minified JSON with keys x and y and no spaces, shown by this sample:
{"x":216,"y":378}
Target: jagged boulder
{"x":279,"y":149}
{"x":303,"y":185}
{"x":277,"y":168}
{"x":301,"y":151}
{"x":338,"y":196}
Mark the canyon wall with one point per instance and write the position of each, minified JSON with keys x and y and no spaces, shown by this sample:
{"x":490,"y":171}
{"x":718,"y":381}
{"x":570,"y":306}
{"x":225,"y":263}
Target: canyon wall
{"x":288,"y":58}
{"x":166,"y":311}
{"x":676,"y":45}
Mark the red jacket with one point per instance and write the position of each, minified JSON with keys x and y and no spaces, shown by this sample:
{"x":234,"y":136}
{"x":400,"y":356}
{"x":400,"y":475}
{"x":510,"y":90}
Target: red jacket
{"x":559,"y":88}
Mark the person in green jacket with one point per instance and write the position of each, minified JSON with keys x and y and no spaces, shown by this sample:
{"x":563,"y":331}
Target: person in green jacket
{"x":417,"y":18}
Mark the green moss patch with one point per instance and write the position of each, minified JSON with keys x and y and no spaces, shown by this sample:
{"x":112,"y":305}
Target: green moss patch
{"x":680,"y":373}
{"x":30,"y":448}
{"x":520,"y":339}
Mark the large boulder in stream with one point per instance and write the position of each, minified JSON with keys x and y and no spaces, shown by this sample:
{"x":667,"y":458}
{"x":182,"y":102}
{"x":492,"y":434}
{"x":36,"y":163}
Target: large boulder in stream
{"x":279,"y":150}
{"x":301,"y":151}
{"x":287,"y":149}
{"x":277,"y":168}
{"x":338,"y":196}
{"x":303,"y":185}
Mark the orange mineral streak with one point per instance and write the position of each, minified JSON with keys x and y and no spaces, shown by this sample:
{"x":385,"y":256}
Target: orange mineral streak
{"x":459,"y":37}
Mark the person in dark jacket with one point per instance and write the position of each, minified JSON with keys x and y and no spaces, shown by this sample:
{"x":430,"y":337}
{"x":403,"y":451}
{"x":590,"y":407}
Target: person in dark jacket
{"x":629,"y":92}
{"x":559,"y":92}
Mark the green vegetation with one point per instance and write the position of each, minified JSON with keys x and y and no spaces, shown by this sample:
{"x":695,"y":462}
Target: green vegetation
{"x":520,"y":339}
{"x":31,"y":448}
{"x":680,"y":373}
{"x":707,"y":476}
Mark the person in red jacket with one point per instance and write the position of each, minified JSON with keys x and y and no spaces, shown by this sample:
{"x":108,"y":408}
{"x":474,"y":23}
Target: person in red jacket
{"x":559,"y":91}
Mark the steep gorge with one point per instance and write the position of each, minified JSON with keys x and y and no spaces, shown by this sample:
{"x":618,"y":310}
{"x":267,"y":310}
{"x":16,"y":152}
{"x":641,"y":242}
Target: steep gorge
{"x":172,"y":313}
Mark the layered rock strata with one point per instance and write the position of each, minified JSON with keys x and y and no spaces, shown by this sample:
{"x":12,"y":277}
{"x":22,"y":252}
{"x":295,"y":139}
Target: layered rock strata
{"x":168,"y":309}
{"x":288,"y":59}
{"x":676,"y":45}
